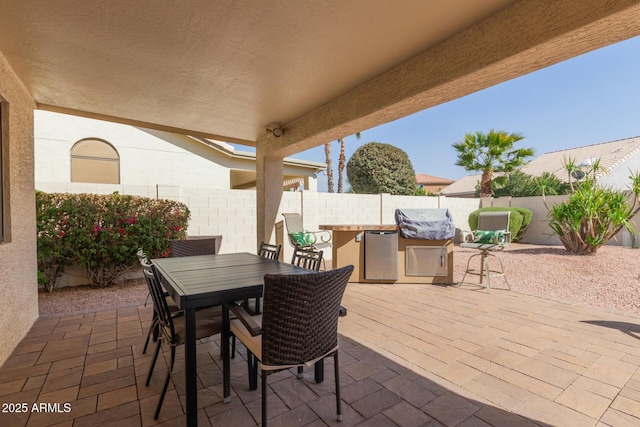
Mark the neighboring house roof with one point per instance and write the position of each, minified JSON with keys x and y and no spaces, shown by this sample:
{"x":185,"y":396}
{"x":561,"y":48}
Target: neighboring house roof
{"x":612,"y":155}
{"x":464,"y":187}
{"x":229,"y":150}
{"x":425,"y":179}
{"x":249,"y":181}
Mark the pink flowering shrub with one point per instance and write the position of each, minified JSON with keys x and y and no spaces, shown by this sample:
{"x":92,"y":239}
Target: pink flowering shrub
{"x":103,"y":233}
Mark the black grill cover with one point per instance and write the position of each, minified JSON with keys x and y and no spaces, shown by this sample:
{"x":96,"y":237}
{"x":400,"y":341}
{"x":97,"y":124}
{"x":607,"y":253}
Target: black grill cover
{"x":429,"y":224}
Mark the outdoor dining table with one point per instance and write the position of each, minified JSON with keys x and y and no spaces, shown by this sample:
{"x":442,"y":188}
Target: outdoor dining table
{"x":204,"y":280}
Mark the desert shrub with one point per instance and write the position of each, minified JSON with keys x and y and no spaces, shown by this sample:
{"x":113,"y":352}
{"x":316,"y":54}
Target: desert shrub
{"x":103,"y":233}
{"x":592,"y":214}
{"x":519,"y":220}
{"x":55,"y":216}
{"x":520,"y":184}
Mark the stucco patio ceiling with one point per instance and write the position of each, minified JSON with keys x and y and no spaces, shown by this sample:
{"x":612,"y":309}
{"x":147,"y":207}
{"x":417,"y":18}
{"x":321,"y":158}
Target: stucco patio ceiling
{"x":228,"y":69}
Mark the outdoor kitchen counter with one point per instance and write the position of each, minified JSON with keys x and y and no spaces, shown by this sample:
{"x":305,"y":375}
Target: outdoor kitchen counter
{"x":348,"y":248}
{"x":352,"y":227}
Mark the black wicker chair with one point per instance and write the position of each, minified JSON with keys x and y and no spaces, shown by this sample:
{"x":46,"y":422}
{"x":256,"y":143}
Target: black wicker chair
{"x":196,"y":245}
{"x":310,"y":259}
{"x":298,"y":326}
{"x":170,"y":326}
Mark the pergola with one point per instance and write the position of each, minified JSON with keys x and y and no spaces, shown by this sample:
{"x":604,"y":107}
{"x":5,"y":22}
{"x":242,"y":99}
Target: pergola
{"x":283,"y":75}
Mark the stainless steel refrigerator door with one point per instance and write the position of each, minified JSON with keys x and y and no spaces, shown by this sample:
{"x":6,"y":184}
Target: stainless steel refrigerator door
{"x":381,"y":255}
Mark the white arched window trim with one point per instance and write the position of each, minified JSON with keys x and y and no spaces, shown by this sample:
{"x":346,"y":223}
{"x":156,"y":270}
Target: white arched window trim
{"x":95,"y":160}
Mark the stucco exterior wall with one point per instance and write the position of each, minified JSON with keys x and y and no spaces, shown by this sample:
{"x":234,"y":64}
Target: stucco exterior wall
{"x":18,"y":277}
{"x":145,"y":159}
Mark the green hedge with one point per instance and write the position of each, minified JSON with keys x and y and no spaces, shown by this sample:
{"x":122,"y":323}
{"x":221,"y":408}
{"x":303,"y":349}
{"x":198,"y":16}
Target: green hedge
{"x":518,"y":221}
{"x":102,"y":233}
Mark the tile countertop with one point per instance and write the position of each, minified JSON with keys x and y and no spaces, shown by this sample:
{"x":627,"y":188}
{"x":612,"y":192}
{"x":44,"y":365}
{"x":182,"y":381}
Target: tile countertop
{"x":358,"y":227}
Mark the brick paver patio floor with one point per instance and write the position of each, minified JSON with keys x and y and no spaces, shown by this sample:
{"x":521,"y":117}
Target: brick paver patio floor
{"x":411,"y":355}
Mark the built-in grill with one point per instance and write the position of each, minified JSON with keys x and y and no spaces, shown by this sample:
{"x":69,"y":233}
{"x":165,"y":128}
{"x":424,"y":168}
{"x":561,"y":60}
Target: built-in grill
{"x":430,"y":260}
{"x":430,"y":224}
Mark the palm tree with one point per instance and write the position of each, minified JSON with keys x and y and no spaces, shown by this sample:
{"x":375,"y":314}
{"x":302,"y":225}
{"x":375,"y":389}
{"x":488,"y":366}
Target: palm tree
{"x":490,"y":153}
{"x":341,"y":164}
{"x":327,"y":153}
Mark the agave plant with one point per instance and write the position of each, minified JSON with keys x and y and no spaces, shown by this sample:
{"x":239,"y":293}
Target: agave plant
{"x":593,"y":214}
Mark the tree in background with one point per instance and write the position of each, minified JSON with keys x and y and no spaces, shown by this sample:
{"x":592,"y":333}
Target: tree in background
{"x":327,"y":153}
{"x":381,"y":168}
{"x":341,"y":164}
{"x":491,"y":153}
{"x":520,"y":184}
{"x":551,"y":185}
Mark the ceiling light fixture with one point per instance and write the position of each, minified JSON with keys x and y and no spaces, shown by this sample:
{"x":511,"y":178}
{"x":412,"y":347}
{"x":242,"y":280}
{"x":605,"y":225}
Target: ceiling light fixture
{"x":276,"y":130}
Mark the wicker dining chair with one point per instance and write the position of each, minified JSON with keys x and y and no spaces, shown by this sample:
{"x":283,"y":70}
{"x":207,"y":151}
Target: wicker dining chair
{"x":298,"y":326}
{"x":310,"y":259}
{"x":171,"y":327}
{"x":196,"y":245}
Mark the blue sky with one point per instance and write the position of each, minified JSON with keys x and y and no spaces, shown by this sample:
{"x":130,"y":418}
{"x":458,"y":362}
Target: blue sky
{"x":586,"y":100}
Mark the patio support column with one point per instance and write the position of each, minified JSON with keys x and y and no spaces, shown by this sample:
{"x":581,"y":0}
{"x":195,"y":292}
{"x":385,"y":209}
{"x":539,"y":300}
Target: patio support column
{"x":269,"y":178}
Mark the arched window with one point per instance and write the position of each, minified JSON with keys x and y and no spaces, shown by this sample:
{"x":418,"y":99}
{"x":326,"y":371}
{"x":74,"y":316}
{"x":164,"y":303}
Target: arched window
{"x":96,"y":161}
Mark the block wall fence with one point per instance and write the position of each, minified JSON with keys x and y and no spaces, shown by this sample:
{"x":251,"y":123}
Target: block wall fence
{"x":232,"y":213}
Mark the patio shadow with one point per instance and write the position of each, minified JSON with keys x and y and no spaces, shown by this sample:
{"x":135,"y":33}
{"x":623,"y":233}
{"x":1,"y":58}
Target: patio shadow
{"x":631,"y":329}
{"x":94,"y":362}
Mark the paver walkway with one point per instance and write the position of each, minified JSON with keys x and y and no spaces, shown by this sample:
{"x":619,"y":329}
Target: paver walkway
{"x":411,"y":355}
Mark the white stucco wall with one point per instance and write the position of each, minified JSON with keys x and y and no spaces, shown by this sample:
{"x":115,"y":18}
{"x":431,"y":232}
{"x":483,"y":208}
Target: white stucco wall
{"x":145,"y":159}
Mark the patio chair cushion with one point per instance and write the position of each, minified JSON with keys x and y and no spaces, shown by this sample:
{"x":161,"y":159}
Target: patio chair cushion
{"x":493,"y":236}
{"x":303,"y":238}
{"x":208,"y":322}
{"x":253,"y":343}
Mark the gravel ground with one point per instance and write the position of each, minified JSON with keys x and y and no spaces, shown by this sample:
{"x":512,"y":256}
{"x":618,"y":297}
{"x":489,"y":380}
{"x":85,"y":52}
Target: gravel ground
{"x":81,"y":299}
{"x":609,"y":279}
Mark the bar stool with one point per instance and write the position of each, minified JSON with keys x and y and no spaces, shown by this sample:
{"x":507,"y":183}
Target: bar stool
{"x":492,"y":235}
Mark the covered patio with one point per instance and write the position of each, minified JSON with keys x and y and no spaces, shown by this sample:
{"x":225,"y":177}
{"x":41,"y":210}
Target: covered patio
{"x":285,"y":76}
{"x":425,"y":355}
